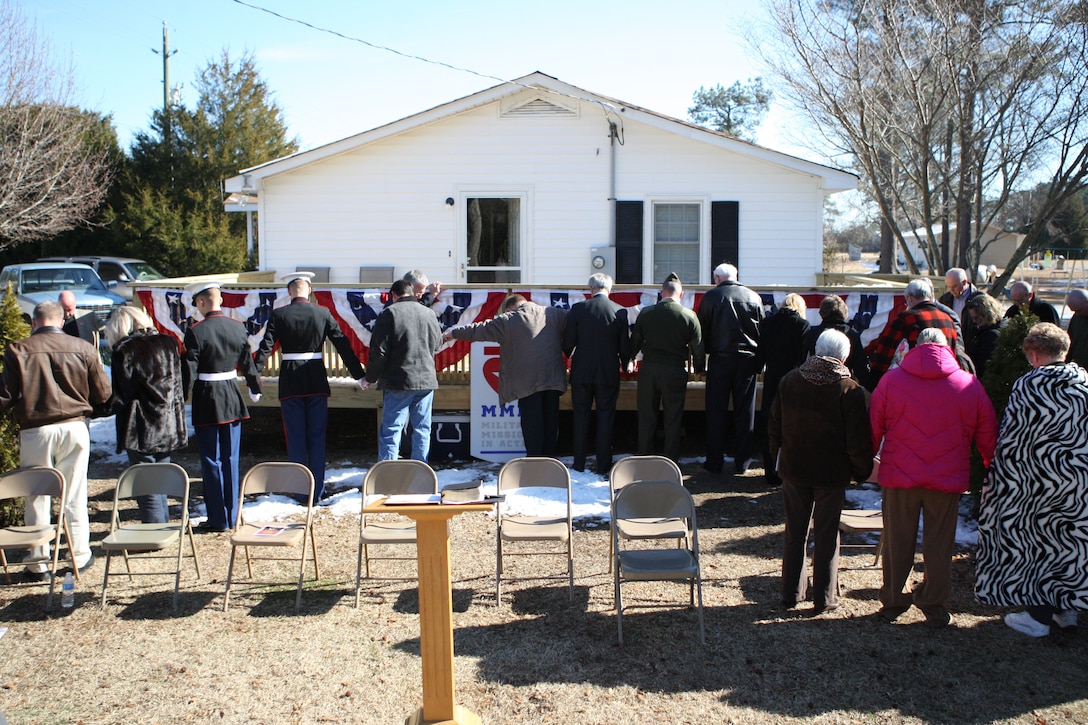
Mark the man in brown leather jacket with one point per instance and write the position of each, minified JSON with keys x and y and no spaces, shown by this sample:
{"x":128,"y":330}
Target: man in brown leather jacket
{"x":54,"y":381}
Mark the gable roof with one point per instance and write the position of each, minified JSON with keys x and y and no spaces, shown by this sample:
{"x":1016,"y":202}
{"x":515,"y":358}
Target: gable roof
{"x":554,"y":99}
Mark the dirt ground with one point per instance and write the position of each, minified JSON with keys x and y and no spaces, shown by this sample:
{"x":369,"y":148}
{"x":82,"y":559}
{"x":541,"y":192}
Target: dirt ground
{"x":538,"y":656}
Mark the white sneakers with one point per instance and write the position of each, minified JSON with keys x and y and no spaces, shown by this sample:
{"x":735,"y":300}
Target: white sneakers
{"x":1066,"y":619}
{"x":1025,"y":624}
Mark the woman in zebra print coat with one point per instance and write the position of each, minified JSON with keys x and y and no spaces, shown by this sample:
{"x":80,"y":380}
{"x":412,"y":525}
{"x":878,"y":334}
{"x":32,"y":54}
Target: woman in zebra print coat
{"x":1033,"y":522}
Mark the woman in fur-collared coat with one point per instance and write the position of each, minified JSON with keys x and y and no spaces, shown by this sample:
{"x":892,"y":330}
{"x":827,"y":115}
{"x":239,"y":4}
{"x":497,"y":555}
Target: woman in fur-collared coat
{"x":148,"y":398}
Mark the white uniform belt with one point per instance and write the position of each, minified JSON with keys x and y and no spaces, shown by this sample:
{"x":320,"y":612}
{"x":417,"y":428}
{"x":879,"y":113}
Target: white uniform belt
{"x":213,"y":377}
{"x":301,"y":356}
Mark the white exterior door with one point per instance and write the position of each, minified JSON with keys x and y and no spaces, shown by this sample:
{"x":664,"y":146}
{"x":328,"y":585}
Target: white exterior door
{"x":493,"y":232}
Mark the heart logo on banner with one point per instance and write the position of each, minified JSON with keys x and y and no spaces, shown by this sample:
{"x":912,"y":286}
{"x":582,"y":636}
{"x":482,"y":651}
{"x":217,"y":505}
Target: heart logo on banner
{"x":491,"y":369}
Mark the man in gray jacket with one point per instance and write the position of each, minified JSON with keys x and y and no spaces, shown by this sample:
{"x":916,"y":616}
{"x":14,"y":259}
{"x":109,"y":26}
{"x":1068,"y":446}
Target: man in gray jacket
{"x":531,"y":367}
{"x":402,"y":348}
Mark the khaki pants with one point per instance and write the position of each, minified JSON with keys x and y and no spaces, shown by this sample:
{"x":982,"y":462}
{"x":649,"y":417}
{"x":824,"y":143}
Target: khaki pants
{"x":940,"y":513}
{"x":66,"y":447}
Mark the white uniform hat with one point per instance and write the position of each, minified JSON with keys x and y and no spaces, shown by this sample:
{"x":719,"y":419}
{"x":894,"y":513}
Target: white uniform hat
{"x":292,"y":276}
{"x":196,"y":288}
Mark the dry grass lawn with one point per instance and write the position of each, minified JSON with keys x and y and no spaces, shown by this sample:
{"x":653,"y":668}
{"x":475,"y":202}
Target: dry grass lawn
{"x":535,"y":658}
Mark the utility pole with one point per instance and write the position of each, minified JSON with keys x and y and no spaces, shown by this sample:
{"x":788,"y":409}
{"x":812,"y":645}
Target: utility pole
{"x":166,"y":53}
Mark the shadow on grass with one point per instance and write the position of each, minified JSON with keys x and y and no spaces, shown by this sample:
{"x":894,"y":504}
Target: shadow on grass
{"x":783,"y":663}
{"x":158,"y":605}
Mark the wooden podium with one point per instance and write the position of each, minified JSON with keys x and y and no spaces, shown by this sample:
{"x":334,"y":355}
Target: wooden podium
{"x":435,"y":608}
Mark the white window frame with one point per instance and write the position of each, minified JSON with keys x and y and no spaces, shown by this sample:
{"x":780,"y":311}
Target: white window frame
{"x":650,"y":235}
{"x":525,"y":195}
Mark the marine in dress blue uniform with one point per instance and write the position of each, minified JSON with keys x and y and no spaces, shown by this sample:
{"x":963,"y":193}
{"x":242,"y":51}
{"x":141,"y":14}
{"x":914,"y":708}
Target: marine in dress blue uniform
{"x":301,"y":328}
{"x":216,"y":350}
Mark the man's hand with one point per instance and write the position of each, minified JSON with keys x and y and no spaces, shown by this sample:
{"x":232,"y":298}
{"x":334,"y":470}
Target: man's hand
{"x":363,"y":384}
{"x":435,"y":288}
{"x":255,"y":397}
{"x":447,"y":336}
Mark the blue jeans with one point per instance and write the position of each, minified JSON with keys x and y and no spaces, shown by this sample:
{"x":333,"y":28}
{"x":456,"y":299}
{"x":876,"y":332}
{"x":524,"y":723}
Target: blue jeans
{"x":153,"y":508}
{"x":399,"y":406}
{"x":218,"y":446}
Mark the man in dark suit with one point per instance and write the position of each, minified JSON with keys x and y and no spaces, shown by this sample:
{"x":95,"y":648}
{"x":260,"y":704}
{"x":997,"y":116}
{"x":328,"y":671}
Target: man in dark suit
{"x":597,"y":336}
{"x":960,"y":293}
{"x":81,"y":326}
{"x":301,"y":328}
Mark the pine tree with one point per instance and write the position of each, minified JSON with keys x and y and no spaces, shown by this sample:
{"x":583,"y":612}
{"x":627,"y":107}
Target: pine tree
{"x":12,"y":328}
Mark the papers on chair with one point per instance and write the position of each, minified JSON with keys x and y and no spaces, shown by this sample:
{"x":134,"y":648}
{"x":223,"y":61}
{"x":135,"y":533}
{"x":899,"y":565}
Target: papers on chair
{"x":270,"y":530}
{"x":412,"y":499}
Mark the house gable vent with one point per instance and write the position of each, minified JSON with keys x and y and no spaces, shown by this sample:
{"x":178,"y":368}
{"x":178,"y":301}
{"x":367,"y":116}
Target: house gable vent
{"x":538,"y":107}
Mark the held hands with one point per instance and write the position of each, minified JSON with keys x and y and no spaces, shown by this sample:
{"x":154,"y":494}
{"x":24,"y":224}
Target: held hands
{"x":363,"y":384}
{"x":447,"y":336}
{"x":435,"y":288}
{"x":255,"y":397}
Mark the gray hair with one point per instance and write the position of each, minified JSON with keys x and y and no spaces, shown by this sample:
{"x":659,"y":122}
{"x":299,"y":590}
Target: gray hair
{"x":48,"y":312}
{"x":123,"y":322}
{"x":920,"y":289}
{"x":600,"y":281}
{"x":931,"y":336}
{"x":416,"y":277}
{"x":833,"y":343}
{"x":956,"y":273}
{"x":727,"y":272}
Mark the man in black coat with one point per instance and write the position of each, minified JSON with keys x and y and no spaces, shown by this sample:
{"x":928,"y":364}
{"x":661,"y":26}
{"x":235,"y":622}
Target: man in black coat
{"x":730,"y":315}
{"x":1022,"y":295}
{"x":301,"y":328}
{"x":81,"y":326}
{"x":216,"y":350}
{"x":598,"y":336}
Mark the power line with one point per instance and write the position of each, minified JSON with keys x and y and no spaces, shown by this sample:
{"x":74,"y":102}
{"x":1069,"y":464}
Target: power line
{"x":376,"y":46}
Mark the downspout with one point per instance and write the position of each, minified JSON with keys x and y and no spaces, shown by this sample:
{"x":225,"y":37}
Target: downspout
{"x":612,"y":183}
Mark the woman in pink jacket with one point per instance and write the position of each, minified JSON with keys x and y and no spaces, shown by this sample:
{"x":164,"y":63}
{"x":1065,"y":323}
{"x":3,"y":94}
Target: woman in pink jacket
{"x":926,"y":414}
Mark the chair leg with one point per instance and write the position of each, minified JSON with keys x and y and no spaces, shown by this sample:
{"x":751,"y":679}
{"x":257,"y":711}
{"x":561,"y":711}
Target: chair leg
{"x":230,"y":572}
{"x":177,"y":573}
{"x":71,"y":553}
{"x":192,"y":547}
{"x":106,"y":577}
{"x":313,"y":547}
{"x":879,"y":548}
{"x":302,"y":573}
{"x":702,"y":627}
{"x":618,"y":601}
{"x":498,"y":569}
{"x":359,"y":572}
{"x":4,"y":561}
{"x":570,"y":568}
{"x":128,"y":565}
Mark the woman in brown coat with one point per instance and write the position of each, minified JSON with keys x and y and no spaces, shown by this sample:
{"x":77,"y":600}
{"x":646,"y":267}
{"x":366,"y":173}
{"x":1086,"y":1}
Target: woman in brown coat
{"x":820,"y":439}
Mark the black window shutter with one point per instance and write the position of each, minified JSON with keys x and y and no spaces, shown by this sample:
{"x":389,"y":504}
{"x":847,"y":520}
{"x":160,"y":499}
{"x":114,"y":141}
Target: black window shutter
{"x":724,"y":233}
{"x":629,"y":242}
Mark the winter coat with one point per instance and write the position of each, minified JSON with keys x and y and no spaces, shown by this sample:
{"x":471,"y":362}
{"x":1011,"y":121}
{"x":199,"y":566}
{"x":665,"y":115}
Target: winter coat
{"x":403,"y":345}
{"x":530,"y":349}
{"x":819,"y":426}
{"x":1033,"y":520}
{"x":148,"y":398}
{"x":927,"y":413}
{"x":781,"y":349}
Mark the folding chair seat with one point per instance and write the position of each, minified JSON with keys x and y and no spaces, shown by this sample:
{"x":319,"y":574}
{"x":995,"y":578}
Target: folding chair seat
{"x":645,"y":499}
{"x":149,"y":479}
{"x":530,"y":473}
{"x":289,"y":479}
{"x":37,"y":481}
{"x":645,"y":468}
{"x":390,"y":478}
{"x":868,"y":521}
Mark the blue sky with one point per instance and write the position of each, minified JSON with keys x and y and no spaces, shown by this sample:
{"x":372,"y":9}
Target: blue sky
{"x":651,"y":54}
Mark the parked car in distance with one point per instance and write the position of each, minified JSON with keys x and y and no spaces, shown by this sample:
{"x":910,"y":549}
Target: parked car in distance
{"x":117,"y":272}
{"x":36,"y":282}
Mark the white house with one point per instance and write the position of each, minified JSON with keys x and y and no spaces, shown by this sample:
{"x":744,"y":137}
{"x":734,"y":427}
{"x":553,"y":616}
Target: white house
{"x":531,"y":181}
{"x":997,"y":244}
